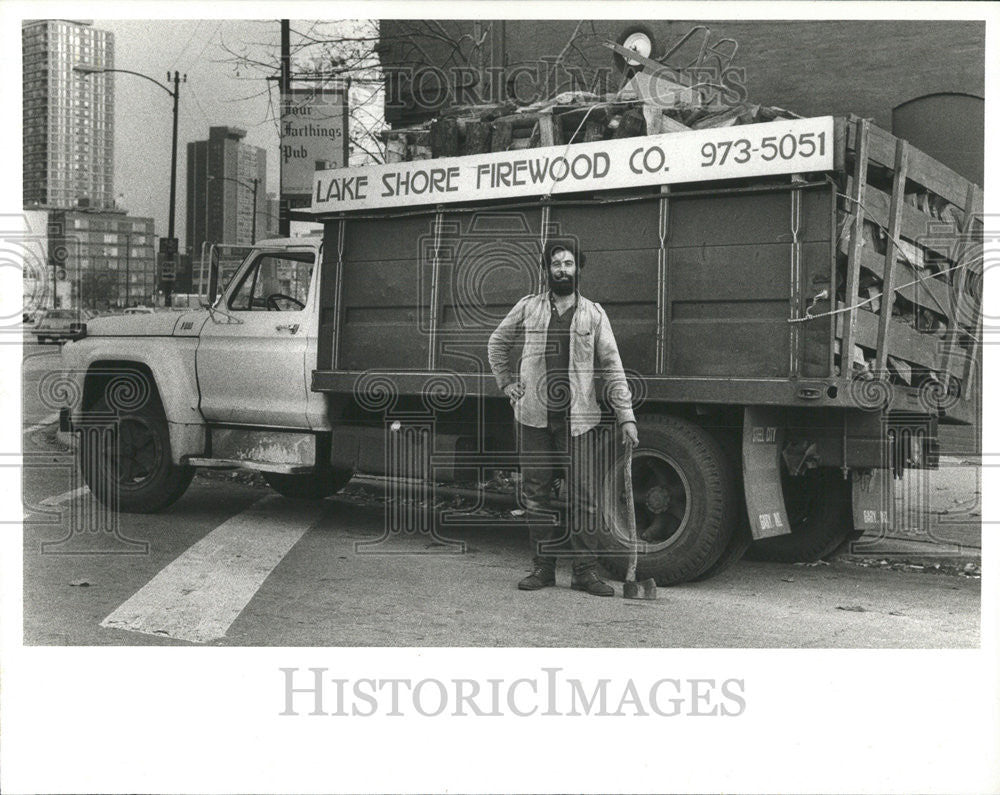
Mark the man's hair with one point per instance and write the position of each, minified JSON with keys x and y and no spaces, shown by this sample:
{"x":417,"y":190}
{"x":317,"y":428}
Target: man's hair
{"x":568,"y":244}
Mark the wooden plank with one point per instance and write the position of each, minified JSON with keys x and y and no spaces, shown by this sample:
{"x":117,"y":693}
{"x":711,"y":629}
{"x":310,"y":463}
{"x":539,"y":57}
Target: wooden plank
{"x":915,"y":226}
{"x":923,"y":294}
{"x":924,"y":170}
{"x":550,"y":133}
{"x":840,"y":128}
{"x":953,"y":344}
{"x":857,"y":240}
{"x":908,"y":344}
{"x":889,"y":265}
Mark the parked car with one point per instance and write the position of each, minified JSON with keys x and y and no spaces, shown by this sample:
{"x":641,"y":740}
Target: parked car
{"x":60,"y":324}
{"x":138,"y":310}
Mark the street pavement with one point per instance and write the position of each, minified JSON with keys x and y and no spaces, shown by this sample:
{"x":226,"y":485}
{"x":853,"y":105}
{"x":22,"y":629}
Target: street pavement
{"x":234,"y":564}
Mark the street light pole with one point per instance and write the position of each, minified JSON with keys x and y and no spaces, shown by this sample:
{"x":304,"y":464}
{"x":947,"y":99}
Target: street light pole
{"x":171,"y":253}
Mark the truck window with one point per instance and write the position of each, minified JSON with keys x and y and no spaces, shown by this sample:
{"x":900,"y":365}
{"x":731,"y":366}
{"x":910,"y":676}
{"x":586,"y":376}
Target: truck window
{"x":275,"y":283}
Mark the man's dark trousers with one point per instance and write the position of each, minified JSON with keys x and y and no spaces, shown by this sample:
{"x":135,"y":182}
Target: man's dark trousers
{"x":546,"y":454}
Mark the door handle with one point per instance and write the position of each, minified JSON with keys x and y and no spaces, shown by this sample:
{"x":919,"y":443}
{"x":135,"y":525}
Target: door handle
{"x":290,"y":327}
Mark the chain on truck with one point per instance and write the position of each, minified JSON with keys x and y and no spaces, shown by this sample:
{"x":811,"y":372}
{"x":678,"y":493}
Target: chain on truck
{"x":797,"y":305}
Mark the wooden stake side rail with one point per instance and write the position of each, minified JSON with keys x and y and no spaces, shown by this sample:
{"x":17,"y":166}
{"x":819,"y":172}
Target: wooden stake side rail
{"x":929,"y":293}
{"x":908,"y":344}
{"x":934,"y":234}
{"x":924,"y":170}
{"x":889,"y":268}
{"x":857,"y":193}
{"x":948,"y":238}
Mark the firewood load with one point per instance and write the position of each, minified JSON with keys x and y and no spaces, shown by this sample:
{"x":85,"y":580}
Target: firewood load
{"x":571,"y":117}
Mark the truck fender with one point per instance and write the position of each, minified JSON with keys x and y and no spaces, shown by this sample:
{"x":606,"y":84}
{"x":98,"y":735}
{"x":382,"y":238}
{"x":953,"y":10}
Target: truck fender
{"x":171,"y":363}
{"x":763,"y":436}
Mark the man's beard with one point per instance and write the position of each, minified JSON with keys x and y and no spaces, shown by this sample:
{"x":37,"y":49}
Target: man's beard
{"x":562,"y":286}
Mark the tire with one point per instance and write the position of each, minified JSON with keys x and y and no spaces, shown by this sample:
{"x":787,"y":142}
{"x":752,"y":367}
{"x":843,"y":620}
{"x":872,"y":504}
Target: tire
{"x":819,"y":512}
{"x":685,"y":500}
{"x":146,"y":479}
{"x":742,"y":536}
{"x":310,"y":486}
{"x":621,"y":65}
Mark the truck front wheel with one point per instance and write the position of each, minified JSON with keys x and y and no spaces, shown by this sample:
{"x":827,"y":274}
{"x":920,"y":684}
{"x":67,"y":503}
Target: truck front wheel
{"x":310,"y":486}
{"x":685,"y":503}
{"x":126,"y":461}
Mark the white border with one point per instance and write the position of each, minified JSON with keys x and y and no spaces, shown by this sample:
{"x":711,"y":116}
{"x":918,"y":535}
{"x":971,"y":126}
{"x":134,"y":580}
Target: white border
{"x":205,"y":720}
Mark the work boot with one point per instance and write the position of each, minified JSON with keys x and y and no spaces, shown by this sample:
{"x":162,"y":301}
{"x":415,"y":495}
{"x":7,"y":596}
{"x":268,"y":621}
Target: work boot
{"x":589,"y":581}
{"x":540,"y":577}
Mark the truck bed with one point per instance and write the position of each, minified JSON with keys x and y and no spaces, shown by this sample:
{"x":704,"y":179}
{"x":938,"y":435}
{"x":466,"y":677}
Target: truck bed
{"x":707,"y":285}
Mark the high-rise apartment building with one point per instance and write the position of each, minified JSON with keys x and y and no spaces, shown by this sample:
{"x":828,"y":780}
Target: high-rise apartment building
{"x":68,"y":115}
{"x":220,"y":190}
{"x":101,"y":260}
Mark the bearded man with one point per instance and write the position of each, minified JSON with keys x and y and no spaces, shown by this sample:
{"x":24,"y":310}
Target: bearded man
{"x":566,"y":337}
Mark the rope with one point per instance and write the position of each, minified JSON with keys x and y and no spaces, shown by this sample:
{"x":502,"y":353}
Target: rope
{"x":898,"y":246}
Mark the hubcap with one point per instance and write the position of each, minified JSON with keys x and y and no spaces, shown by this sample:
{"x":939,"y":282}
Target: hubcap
{"x":662,"y":501}
{"x":139,"y":452}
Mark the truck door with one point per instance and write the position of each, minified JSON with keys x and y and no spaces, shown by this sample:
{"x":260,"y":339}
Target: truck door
{"x":251,"y":358}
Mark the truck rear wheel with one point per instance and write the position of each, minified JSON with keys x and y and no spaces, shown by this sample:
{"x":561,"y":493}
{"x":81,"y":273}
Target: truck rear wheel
{"x":127,"y":464}
{"x":311,"y":485}
{"x":685,"y":500}
{"x":819,"y":511}
{"x":740,"y":540}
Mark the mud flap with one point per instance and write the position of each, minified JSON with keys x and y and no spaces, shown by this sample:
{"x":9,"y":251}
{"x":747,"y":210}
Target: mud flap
{"x":763,"y":436}
{"x":873,"y":499}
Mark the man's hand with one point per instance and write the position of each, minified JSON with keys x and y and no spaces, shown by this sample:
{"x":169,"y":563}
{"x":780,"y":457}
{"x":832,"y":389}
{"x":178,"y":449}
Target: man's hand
{"x":630,"y":434}
{"x":514,"y":391}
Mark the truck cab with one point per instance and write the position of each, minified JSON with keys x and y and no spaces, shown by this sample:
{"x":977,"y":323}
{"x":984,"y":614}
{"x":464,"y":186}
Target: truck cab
{"x":226,"y":385}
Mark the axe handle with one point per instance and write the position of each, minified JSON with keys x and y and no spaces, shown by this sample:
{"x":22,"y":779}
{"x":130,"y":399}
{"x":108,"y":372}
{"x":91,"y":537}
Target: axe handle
{"x":630,"y":516}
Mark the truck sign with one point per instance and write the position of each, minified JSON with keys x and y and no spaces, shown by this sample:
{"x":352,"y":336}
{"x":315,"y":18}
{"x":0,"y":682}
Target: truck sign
{"x":788,"y":146}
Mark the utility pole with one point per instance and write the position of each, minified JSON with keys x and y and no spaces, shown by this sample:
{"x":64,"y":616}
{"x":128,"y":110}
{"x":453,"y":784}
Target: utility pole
{"x":284,"y":222}
{"x":171,"y":254}
{"x":253,"y":225}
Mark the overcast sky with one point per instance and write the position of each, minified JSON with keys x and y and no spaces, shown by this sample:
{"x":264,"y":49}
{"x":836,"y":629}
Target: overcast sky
{"x":217,"y":92}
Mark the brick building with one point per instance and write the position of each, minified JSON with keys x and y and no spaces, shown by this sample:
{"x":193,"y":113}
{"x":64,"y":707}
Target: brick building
{"x":922,"y":79}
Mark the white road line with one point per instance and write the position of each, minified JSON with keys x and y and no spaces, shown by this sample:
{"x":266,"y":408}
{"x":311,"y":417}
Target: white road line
{"x":200,"y":594}
{"x":66,"y":496}
{"x":52,"y":418}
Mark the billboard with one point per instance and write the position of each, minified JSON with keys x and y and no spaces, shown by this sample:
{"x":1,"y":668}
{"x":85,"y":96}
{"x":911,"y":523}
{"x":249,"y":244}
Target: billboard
{"x":314,"y":136}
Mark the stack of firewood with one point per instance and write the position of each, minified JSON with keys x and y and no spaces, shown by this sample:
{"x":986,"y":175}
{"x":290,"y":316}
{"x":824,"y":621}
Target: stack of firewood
{"x":572,"y":117}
